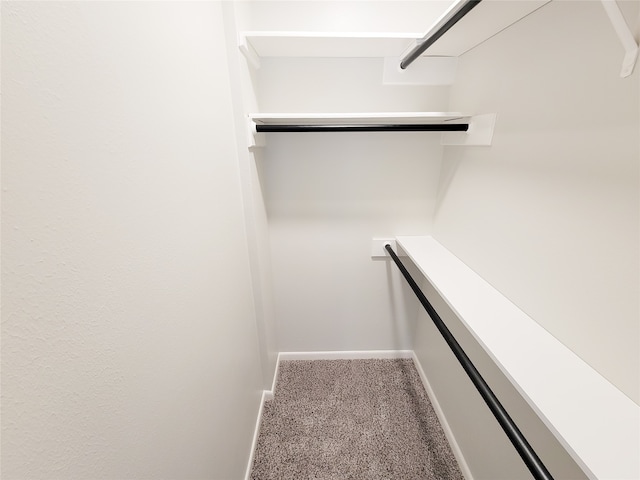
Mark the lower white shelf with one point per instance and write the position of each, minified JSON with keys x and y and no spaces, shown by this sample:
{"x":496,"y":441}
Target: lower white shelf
{"x":597,"y":424}
{"x":479,"y":128}
{"x":379,"y":118}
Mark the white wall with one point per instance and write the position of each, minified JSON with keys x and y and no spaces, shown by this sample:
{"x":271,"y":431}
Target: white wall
{"x":488,"y":453}
{"x":413,"y":16}
{"x":241,"y":75}
{"x":549,"y":214}
{"x":129,"y":345}
{"x":328,"y":195}
{"x":327,"y":198}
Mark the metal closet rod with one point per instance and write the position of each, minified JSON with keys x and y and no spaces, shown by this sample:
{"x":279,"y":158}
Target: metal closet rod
{"x":450,"y":127}
{"x":449,"y":20}
{"x":528,"y":455}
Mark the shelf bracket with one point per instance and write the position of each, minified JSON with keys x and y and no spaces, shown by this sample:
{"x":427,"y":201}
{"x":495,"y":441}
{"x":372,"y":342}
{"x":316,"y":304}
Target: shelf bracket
{"x":255,"y":140}
{"x":480,"y":132}
{"x":624,"y":34}
{"x":248,"y":51}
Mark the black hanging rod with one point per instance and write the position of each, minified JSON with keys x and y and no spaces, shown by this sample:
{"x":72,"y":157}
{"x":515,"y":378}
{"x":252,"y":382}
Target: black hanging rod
{"x":445,"y":24}
{"x":528,"y":455}
{"x":446,"y":127}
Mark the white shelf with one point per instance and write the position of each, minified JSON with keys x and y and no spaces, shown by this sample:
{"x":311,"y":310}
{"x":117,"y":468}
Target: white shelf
{"x":480,"y":24}
{"x":484,"y":21}
{"x":327,"y":44}
{"x":597,"y":424}
{"x":480,"y":130}
{"x":372,"y":118}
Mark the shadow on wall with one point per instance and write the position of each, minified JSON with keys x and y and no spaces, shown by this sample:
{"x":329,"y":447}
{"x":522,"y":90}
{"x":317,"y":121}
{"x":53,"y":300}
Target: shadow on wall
{"x":404,"y":306}
{"x":448,"y":172}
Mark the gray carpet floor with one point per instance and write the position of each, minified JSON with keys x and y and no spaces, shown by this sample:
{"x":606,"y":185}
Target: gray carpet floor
{"x":351,"y":419}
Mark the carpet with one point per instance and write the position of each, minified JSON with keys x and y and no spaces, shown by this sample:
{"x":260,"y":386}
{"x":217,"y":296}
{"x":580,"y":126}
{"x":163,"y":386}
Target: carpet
{"x":351,"y":419}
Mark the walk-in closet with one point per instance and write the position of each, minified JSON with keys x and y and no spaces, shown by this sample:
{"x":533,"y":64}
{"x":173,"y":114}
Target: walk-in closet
{"x":234,"y":233}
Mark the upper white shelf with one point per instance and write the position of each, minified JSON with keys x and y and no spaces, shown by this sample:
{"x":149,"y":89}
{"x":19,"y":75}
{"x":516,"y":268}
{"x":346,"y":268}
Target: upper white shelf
{"x":327,"y":44}
{"x":597,"y":424}
{"x":372,"y":118}
{"x":484,"y":21}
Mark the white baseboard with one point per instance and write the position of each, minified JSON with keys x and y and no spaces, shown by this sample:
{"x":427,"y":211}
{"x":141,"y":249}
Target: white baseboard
{"x":455,"y":448}
{"x":345,"y":355}
{"x":275,"y":379}
{"x":266,"y":395}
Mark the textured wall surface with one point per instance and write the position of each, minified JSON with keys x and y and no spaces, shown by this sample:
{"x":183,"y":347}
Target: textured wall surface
{"x":128,"y":331}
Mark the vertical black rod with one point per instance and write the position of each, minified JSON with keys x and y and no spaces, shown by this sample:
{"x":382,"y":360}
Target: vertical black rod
{"x":528,"y":455}
{"x":427,"y":42}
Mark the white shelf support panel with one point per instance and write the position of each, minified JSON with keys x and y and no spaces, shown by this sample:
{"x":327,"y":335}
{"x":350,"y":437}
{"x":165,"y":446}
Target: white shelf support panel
{"x":480,"y":132}
{"x":423,"y":71}
{"x":624,"y":34}
{"x":597,"y":424}
{"x":248,"y":51}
